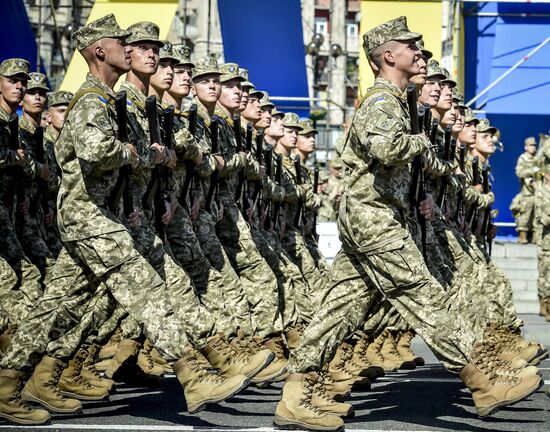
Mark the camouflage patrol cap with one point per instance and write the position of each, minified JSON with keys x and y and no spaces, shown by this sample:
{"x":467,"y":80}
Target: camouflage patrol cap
{"x":144,"y":31}
{"x":530,"y":141}
{"x":184,"y":55}
{"x":104,"y":27}
{"x":469,"y":116}
{"x":276,"y":113}
{"x":425,"y":52}
{"x":448,"y":80}
{"x":15,"y":66}
{"x":485,"y":126}
{"x":244,"y":73}
{"x":291,"y":120}
{"x":458,"y":97}
{"x":335,"y":163}
{"x":230,"y":71}
{"x":205,"y":66}
{"x":167,"y":53}
{"x":307,"y":127}
{"x":257,"y":94}
{"x":434,"y":70}
{"x":60,"y":97}
{"x":395,"y":29}
{"x":38,"y":80}
{"x":265,"y":102}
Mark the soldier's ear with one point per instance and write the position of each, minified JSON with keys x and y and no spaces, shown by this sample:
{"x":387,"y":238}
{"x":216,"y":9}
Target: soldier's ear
{"x":99,"y":52}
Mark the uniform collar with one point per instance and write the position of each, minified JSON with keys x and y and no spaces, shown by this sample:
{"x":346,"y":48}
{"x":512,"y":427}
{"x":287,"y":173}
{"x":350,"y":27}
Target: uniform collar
{"x":383,"y":82}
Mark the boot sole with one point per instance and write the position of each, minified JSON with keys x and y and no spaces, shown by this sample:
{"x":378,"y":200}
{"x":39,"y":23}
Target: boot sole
{"x":84,"y":398}
{"x":535,"y":361}
{"x":498,"y":407}
{"x":26,"y":396}
{"x":192,"y":409}
{"x":269,"y":378}
{"x":287,"y":424}
{"x":16,"y":420}
{"x":261,"y":367}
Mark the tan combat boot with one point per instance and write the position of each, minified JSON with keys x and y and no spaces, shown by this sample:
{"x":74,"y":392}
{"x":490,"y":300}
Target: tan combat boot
{"x":201,"y":387}
{"x":230,"y":362}
{"x":109,"y":349}
{"x":296,"y":410}
{"x":522,"y":237}
{"x":351,"y":363}
{"x":404,"y":339}
{"x":493,"y":392}
{"x":5,"y":338}
{"x":276,"y":370}
{"x":126,"y":352}
{"x":42,"y":388}
{"x":12,"y":407}
{"x":324,"y":400}
{"x":375,"y":357}
{"x":360,"y":357}
{"x":293,"y":336}
{"x":390,"y":353}
{"x":90,"y":373}
{"x":160,"y":361}
{"x":73,"y":384}
{"x":337,"y":390}
{"x":146,"y":362}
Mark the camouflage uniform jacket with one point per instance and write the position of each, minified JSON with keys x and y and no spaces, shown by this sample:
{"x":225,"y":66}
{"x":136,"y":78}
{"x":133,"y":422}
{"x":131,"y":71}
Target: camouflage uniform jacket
{"x":54,"y":176}
{"x":542,"y":197}
{"x":90,"y":155}
{"x":526,"y":173}
{"x":29,"y":182}
{"x":472,"y":197}
{"x":377,"y":152}
{"x":293,"y":192}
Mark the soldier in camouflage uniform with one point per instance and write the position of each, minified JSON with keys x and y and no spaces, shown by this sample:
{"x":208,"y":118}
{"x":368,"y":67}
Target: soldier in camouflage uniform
{"x":97,"y":248}
{"x":382,"y":256}
{"x":542,"y":197}
{"x":523,"y":204}
{"x":14,"y":76}
{"x":326,"y":211}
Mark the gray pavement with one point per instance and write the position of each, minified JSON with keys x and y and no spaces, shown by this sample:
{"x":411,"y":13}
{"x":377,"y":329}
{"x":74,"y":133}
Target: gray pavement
{"x":426,"y":399}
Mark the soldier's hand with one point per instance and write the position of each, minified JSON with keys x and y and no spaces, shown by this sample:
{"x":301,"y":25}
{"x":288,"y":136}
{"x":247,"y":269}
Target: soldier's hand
{"x":49,"y":217}
{"x":159,"y":152}
{"x":197,"y":160}
{"x":167,"y":216}
{"x":220,"y":211}
{"x":173,"y":206}
{"x":479,"y":188}
{"x":133,"y":152}
{"x":262,"y":171}
{"x":220,"y":162}
{"x":194,"y":211}
{"x":133,"y":219}
{"x":427,"y":207}
{"x":23,"y":206}
{"x":458,"y":171}
{"x":492,"y":231}
{"x":44,"y":171}
{"x":21,"y":157}
{"x":250,"y":209}
{"x":172,"y":159}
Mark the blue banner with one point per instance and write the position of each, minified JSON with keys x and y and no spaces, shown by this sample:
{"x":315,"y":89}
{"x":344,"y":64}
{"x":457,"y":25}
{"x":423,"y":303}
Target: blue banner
{"x":16,"y":35}
{"x":266,"y":38}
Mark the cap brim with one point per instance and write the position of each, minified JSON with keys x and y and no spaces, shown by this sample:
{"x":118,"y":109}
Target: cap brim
{"x":294,"y":126}
{"x":277,"y":113}
{"x":169,"y":57}
{"x":449,"y":81}
{"x":493,"y":129}
{"x":308,"y":131}
{"x":255,"y":92}
{"x":408,"y":36}
{"x":185,"y":63}
{"x":156,"y":42}
{"x":25,"y":74}
{"x":118,"y":34}
{"x":206,"y":72}
{"x":427,"y":53}
{"x":437,"y":74}
{"x":42,"y":87}
{"x":229,"y":77}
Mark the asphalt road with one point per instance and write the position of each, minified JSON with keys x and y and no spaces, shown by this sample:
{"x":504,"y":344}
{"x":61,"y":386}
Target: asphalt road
{"x":426,"y":399}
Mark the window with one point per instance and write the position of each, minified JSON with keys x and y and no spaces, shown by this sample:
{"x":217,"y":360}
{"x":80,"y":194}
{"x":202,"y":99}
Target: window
{"x":352,"y":36}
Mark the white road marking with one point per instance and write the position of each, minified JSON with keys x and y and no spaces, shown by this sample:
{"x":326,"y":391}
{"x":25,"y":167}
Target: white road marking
{"x":63,"y":426}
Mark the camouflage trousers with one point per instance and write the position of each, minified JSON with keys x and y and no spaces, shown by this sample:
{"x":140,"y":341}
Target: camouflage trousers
{"x":20,"y":299}
{"x":8,"y":282}
{"x":543,"y":281}
{"x":294,"y":243}
{"x":257,"y":278}
{"x":525,"y":217}
{"x":220,"y":291}
{"x":401,"y":276}
{"x":318,"y":257}
{"x":79,"y":269}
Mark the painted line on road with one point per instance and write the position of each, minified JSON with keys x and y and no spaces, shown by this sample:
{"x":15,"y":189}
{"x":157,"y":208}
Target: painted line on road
{"x":63,"y":426}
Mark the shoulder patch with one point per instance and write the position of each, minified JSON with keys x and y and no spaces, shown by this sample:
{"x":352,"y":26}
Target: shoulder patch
{"x":102,"y":99}
{"x":385,"y":123}
{"x":379,"y":99}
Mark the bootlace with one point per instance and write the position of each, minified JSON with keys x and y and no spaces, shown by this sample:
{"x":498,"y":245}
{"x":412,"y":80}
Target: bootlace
{"x":277,"y":347}
{"x":504,"y":379}
{"x":79,"y":379}
{"x":15,"y":398}
{"x":321,"y":392}
{"x":148,"y":358}
{"x":307,"y":394}
{"x":206,"y":376}
{"x":94,"y":371}
{"x":52,"y":382}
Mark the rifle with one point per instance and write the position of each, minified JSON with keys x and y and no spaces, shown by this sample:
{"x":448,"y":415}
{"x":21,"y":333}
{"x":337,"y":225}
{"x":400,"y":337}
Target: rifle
{"x":447,"y":156}
{"x":15,"y":171}
{"x":268,"y":157}
{"x":315,"y":186}
{"x":189,"y":165}
{"x":121,"y":190}
{"x":278,"y":179}
{"x":213,"y":187}
{"x":298,"y":172}
{"x":470,"y":218}
{"x":428,"y":122}
{"x":245,"y":191}
{"x":460,"y":193}
{"x":259,"y":157}
{"x":42,"y":185}
{"x":239,"y":143}
{"x":486,"y":224}
{"x":417,"y":192}
{"x":160,"y":195}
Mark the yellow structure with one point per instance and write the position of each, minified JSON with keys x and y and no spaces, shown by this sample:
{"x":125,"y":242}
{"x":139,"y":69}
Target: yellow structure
{"x":127,"y":12}
{"x":422,"y":16}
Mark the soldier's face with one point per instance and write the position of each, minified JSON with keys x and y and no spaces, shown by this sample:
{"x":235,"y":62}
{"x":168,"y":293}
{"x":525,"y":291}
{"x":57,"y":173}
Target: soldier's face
{"x":431,"y":91}
{"x":34,"y":101}
{"x":181,"y":85}
{"x":484,"y":143}
{"x":420,"y":78}
{"x":449,"y":117}
{"x":252,"y":111}
{"x":57,"y":116}
{"x":117,"y":54}
{"x":531,"y":148}
{"x":459,"y":121}
{"x":289,"y":138}
{"x":13,"y":88}
{"x":230,"y":96}
{"x":276,"y":129}
{"x":163,"y":77}
{"x":406,"y":56}
{"x":265,"y":119}
{"x":244,"y":98}
{"x":207,"y":88}
{"x":145,"y":58}
{"x":468,"y":134}
{"x":306,"y":143}
{"x":445,"y":101}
